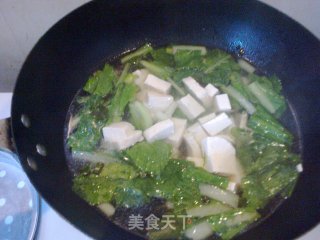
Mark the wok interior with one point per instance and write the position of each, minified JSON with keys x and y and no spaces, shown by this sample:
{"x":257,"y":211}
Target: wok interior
{"x":121,"y":217}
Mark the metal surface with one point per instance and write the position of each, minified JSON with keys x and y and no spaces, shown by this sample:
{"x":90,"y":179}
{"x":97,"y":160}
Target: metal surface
{"x":80,"y":43}
{"x":19,"y":201}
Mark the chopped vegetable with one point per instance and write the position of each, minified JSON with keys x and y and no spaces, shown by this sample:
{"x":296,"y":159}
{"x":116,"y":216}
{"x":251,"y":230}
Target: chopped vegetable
{"x":248,"y":106}
{"x":128,"y":195}
{"x":199,"y":175}
{"x":107,"y":208}
{"x":96,"y":157}
{"x":219,"y":194}
{"x":271,"y":130}
{"x":244,"y":147}
{"x":101,"y":83}
{"x":124,"y":94}
{"x":162,"y":57}
{"x":199,"y":231}
{"x":246,"y":66}
{"x":150,"y":157}
{"x":138,"y":53}
{"x":268,"y":96}
{"x":124,"y":74}
{"x":140,"y":116}
{"x":176,"y":48}
{"x":118,"y":171}
{"x":157,"y":69}
{"x":273,"y":172}
{"x":228,"y":224}
{"x":95,"y":190}
{"x":87,"y":134}
{"x":188,"y":58}
{"x":177,"y":187}
{"x":208,"y":210}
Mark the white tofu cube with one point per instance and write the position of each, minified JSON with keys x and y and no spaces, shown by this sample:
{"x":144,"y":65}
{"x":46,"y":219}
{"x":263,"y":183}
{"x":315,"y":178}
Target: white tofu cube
{"x":130,"y":140}
{"x":222,"y":103}
{"x":159,"y":131}
{"x":198,"y":162}
{"x":220,"y":157}
{"x":116,"y":131}
{"x":207,"y":118}
{"x":179,"y":128}
{"x":141,"y":75}
{"x":211,"y":90}
{"x":197,"y":91}
{"x":121,"y":135}
{"x":190,"y":107}
{"x":158,"y":101}
{"x":218,"y":124}
{"x":197,"y":131}
{"x":157,"y":84}
{"x":192,"y":146}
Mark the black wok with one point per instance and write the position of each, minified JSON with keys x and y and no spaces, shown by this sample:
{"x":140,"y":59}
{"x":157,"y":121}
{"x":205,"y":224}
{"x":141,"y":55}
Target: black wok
{"x":80,"y":43}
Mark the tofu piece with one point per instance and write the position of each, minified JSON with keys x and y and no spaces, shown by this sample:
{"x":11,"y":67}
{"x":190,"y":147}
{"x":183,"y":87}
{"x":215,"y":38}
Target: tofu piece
{"x":218,"y":124}
{"x":121,"y":135}
{"x":141,"y":75}
{"x":158,"y":101}
{"x":211,"y":90}
{"x":130,"y":140}
{"x":179,"y":128}
{"x":159,"y":131}
{"x":198,"y":162}
{"x":197,"y":131}
{"x":117,"y":130}
{"x":157,"y":84}
{"x":220,"y":157}
{"x":222,"y":103}
{"x":190,"y":107}
{"x":206,"y":118}
{"x":197,"y":91}
{"x":192,"y":146}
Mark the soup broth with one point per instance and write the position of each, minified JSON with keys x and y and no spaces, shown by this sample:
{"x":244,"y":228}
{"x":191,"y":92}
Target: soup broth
{"x":182,"y":142}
